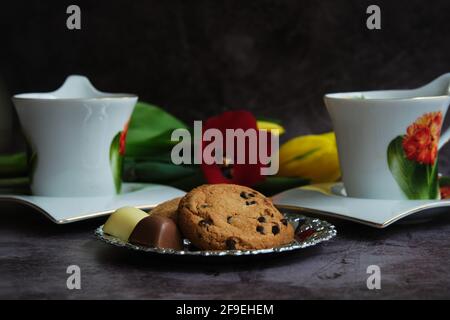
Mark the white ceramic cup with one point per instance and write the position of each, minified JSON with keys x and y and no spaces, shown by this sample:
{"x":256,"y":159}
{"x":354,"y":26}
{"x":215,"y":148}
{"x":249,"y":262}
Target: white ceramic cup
{"x":70,"y":131}
{"x":367,"y":123}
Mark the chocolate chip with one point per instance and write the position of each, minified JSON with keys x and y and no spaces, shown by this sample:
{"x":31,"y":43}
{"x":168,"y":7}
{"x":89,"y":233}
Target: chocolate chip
{"x":262,"y":219}
{"x":231,"y":244}
{"x":252,"y":195}
{"x":244,"y":195}
{"x":205,"y":223}
{"x":205,"y":206}
{"x":229,"y":219}
{"x":260,"y":229}
{"x":250,"y":202}
{"x":284,"y":221}
{"x":275,"y":229}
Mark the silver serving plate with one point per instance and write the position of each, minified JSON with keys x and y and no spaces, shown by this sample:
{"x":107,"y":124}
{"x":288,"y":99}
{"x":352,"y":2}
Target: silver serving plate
{"x":308,"y":232}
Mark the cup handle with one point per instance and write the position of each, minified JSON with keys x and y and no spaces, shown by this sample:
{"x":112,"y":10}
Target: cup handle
{"x":445,"y":137}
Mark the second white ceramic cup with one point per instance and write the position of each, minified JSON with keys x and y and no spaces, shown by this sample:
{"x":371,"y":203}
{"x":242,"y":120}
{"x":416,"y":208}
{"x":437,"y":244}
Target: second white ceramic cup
{"x":366,"y":125}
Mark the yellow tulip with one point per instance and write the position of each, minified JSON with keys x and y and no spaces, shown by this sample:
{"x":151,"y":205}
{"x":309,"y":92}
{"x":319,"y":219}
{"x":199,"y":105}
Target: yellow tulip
{"x":313,"y":157}
{"x":267,"y":125}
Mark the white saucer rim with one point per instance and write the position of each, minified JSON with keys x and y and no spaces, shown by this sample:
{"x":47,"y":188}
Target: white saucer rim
{"x":401,"y":215}
{"x":82,"y":216}
{"x":340,"y":184}
{"x":27,"y":201}
{"x":416,"y":206}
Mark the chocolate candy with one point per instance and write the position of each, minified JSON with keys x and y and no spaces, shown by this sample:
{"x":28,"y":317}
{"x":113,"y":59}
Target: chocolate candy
{"x":122,"y":222}
{"x":137,"y":227}
{"x":157,"y":231}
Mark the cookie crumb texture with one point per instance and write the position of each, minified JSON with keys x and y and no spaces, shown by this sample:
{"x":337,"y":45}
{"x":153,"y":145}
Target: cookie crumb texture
{"x":168,"y":209}
{"x":232,"y":217}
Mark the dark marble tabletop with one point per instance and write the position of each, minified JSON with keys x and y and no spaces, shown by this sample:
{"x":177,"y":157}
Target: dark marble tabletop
{"x":35,"y":253}
{"x":197,"y":59}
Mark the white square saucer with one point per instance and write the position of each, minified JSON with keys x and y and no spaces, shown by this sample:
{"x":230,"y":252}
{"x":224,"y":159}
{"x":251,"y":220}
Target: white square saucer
{"x":329,"y":199}
{"x":62,"y":210}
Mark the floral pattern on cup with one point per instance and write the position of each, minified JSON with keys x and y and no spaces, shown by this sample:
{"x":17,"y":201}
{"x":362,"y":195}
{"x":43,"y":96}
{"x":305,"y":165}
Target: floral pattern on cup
{"x":122,"y":139}
{"x":116,"y":154}
{"x":412,"y":158}
{"x":444,"y":187}
{"x":421,"y":140}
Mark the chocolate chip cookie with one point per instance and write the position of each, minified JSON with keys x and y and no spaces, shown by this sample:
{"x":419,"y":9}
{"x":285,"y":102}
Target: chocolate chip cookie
{"x":229,"y":217}
{"x":168,"y":209}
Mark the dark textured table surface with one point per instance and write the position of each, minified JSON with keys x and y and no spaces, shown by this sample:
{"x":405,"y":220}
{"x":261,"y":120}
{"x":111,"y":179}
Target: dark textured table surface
{"x":197,"y":59}
{"x":34,"y":255}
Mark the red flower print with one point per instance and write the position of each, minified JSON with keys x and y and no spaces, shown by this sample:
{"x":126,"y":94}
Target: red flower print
{"x":421,"y":140}
{"x":243,"y":174}
{"x":122,"y":140}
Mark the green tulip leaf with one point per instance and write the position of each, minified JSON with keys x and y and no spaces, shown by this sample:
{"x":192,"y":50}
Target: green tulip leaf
{"x":14,"y":182}
{"x":15,"y":185}
{"x":417,"y":181}
{"x":116,"y":162}
{"x":13,"y":165}
{"x":164,"y":157}
{"x":152,"y":146}
{"x":150,"y":130}
{"x":155,"y":171}
{"x":444,"y":181}
{"x":275,"y":184}
{"x":189,"y":182}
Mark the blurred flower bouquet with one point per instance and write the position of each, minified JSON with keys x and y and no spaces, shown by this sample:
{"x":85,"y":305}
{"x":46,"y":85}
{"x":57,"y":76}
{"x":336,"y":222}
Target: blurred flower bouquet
{"x":145,"y":146}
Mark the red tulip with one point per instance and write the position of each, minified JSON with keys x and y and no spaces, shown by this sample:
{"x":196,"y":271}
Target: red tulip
{"x":243,"y":174}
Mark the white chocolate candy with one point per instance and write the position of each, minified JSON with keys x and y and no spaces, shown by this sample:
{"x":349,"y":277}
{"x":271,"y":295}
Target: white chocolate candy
{"x":122,"y":222}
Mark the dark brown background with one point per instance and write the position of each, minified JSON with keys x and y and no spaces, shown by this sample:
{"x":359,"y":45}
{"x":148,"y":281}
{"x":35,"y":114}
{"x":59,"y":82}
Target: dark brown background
{"x":197,"y":58}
